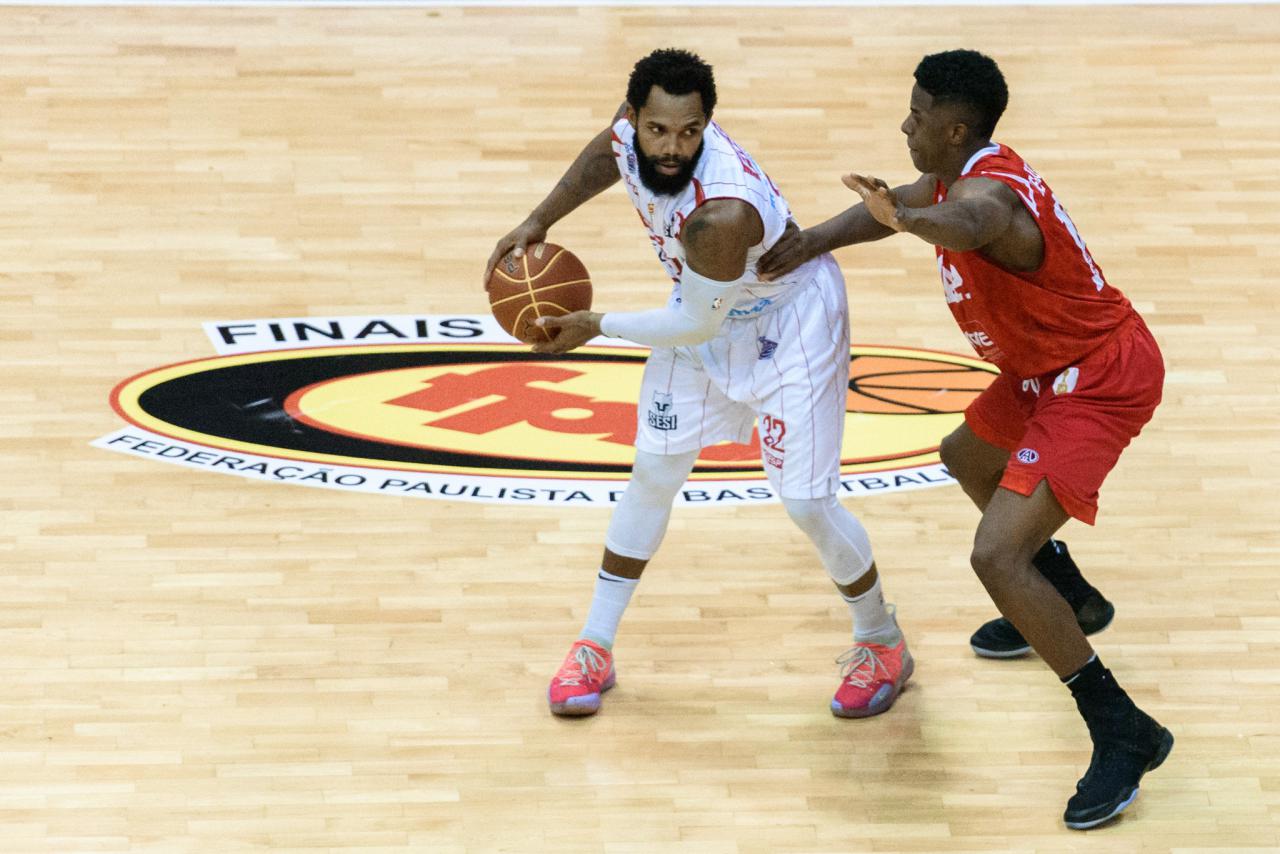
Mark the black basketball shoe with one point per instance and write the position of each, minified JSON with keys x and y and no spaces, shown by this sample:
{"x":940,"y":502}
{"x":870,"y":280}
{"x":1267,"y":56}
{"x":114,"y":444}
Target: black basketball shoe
{"x":999,"y":639}
{"x":1122,"y":753}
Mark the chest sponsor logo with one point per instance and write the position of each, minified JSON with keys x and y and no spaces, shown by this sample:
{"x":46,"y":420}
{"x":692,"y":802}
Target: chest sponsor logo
{"x":450,"y":407}
{"x":980,"y":340}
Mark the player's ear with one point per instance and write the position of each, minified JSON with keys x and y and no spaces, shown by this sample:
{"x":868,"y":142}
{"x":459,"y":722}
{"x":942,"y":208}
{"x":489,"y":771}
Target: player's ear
{"x":959,"y":134}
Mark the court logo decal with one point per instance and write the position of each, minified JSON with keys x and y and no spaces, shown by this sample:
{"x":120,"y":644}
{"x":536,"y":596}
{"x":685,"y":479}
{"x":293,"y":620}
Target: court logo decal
{"x":453,"y":408}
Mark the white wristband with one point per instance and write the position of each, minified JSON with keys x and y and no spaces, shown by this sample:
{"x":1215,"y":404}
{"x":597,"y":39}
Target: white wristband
{"x":704,"y":303}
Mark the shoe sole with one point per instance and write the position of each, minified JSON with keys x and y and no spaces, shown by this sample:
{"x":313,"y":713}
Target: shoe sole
{"x":1023,"y":650}
{"x":883,"y":706}
{"x":1162,"y":752}
{"x":582,"y":705}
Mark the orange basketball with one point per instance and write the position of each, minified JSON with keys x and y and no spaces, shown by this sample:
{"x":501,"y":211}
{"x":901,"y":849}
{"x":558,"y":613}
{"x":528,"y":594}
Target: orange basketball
{"x":548,"y":280}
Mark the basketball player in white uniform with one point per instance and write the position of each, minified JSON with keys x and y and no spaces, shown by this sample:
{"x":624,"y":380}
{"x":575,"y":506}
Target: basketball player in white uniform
{"x":727,"y":349}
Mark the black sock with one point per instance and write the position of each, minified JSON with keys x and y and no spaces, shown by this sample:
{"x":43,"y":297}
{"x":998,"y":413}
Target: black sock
{"x":1092,"y":679}
{"x":1055,"y":564}
{"x":1103,"y":704}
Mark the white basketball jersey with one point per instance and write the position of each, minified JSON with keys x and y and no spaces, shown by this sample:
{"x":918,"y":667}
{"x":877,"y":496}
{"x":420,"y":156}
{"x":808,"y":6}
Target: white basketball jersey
{"x":724,"y":171}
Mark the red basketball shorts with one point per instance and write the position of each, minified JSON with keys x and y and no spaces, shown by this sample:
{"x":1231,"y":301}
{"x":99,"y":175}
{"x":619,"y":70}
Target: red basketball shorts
{"x":1069,"y":426}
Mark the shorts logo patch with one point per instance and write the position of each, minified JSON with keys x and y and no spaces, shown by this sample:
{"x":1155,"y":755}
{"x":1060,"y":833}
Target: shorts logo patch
{"x":1066,"y":381}
{"x":1028,"y":456}
{"x":767,"y":348}
{"x":660,"y":415}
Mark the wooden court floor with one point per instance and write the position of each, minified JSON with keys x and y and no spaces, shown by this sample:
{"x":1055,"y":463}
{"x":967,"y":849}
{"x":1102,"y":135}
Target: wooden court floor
{"x":195,"y":662}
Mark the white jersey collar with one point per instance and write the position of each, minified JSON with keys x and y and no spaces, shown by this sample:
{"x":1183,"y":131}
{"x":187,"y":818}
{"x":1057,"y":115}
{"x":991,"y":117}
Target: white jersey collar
{"x":993,"y":148}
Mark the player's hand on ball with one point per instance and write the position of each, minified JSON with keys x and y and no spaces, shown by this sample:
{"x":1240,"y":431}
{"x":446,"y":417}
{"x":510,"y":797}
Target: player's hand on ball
{"x":528,"y":232}
{"x":575,"y":329}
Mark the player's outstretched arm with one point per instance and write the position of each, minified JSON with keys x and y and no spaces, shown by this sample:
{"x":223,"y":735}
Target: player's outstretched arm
{"x":716,"y":240}
{"x":855,"y":225}
{"x":593,"y":172}
{"x":976,"y":212}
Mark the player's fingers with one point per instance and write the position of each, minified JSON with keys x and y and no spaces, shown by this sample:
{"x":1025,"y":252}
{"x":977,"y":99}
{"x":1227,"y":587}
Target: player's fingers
{"x":490,"y":265}
{"x":552,"y":347}
{"x":857,"y":183}
{"x":768,"y":261}
{"x":504,"y":246}
{"x":549,"y":322}
{"x":774,"y":264}
{"x":861,"y":191}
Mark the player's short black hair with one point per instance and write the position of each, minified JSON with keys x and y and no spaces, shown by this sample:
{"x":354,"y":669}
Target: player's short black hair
{"x":969,"y":78}
{"x":677,"y":72}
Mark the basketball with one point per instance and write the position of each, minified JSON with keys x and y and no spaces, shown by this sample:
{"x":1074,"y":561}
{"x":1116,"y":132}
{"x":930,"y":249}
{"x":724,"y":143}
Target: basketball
{"x":547,"y":281}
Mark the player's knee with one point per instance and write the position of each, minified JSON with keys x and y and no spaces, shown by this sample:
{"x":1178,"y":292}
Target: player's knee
{"x":977,"y":466}
{"x":998,"y":562}
{"x":953,"y":455}
{"x":985,"y":560}
{"x":659,"y":476}
{"x":639,"y":522}
{"x":948,"y":451}
{"x":809,"y":514}
{"x":841,"y":540}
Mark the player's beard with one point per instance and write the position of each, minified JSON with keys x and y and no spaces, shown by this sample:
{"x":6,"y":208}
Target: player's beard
{"x":666,"y":185}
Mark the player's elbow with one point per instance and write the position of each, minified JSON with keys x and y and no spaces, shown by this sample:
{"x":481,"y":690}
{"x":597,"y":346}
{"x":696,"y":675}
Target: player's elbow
{"x":966,"y":237}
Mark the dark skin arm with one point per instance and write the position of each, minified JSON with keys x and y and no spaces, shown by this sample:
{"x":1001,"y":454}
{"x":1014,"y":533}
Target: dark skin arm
{"x":716,"y":240}
{"x":978,"y":214}
{"x":855,"y":225}
{"x":591,"y":173}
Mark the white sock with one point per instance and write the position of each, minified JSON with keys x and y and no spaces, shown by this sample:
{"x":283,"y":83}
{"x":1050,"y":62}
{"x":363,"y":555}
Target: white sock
{"x":611,"y":597}
{"x":871,"y":619}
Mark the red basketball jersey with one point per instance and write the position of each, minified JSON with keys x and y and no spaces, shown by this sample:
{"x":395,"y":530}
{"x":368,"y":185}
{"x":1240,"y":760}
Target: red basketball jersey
{"x":1030,"y":323}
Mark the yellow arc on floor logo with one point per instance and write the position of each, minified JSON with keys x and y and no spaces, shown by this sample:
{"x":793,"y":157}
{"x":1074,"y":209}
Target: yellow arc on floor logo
{"x":453,"y":408}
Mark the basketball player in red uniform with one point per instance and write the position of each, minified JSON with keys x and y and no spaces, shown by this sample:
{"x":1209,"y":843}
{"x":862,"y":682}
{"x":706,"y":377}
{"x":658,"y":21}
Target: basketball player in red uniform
{"x":1080,"y":374}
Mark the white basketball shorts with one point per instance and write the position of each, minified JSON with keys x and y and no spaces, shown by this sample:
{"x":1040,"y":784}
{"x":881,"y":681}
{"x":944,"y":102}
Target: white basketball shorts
{"x":788,"y":367}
